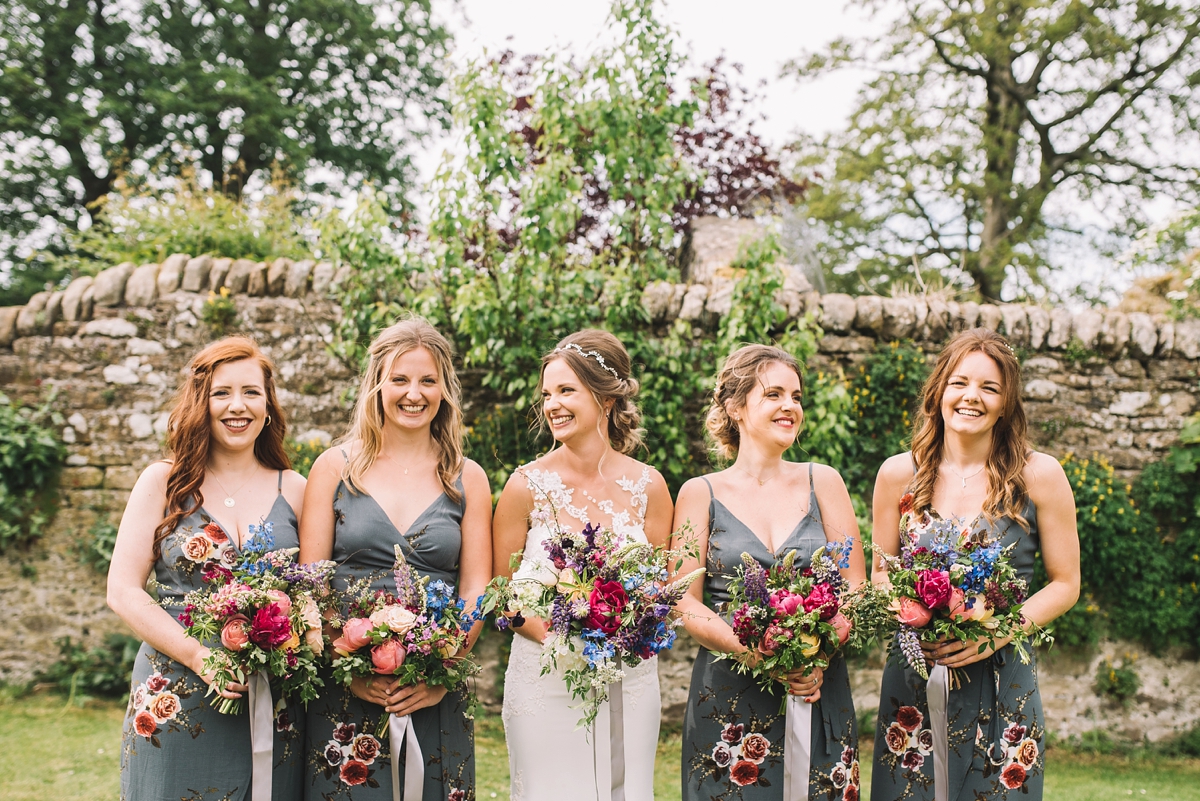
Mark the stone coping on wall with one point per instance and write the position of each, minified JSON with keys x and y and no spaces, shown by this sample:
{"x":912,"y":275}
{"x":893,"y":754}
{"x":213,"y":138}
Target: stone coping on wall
{"x":96,"y":303}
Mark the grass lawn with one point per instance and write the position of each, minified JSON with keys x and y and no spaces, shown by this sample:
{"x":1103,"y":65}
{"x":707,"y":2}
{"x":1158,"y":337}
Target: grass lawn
{"x":52,"y":752}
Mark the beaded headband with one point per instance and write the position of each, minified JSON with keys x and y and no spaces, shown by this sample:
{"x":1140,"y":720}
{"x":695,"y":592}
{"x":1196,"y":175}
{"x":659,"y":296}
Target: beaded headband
{"x":589,"y":354}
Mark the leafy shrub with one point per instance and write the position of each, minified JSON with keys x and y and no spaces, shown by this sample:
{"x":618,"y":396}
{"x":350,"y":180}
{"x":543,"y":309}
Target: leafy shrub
{"x":95,"y":549}
{"x":31,"y":458}
{"x":1119,"y":682}
{"x":218,"y":312}
{"x":103,"y":671}
{"x":303,"y":454}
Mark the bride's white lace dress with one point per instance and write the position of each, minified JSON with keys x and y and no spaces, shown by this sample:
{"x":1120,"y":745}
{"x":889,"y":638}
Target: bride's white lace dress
{"x":549,"y":756}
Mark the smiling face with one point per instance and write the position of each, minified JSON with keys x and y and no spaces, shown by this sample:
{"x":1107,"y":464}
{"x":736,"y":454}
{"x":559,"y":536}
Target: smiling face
{"x":237,"y":404}
{"x":772,"y":413}
{"x":569,"y":407}
{"x":412,"y":390}
{"x":973,"y":398}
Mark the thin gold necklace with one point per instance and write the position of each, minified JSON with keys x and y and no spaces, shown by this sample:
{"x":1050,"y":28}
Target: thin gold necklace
{"x":761,"y":481}
{"x":964,"y":478}
{"x":229,"y":502}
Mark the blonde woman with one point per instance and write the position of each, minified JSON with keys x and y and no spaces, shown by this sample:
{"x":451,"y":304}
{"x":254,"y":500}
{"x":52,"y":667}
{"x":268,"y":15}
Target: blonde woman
{"x":398,"y":477}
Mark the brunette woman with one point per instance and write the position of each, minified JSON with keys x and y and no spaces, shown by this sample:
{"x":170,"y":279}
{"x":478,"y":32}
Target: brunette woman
{"x":588,"y":405}
{"x":398,"y":477}
{"x":734,"y":734}
{"x":971,"y":461}
{"x":227,"y":470}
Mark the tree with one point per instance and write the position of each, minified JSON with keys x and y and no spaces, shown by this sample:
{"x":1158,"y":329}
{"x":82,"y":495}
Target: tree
{"x":91,"y":90}
{"x":996,"y":129}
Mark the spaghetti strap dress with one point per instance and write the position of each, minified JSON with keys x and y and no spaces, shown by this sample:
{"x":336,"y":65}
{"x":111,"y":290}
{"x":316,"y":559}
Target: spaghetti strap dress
{"x":995,"y":717}
{"x":175,"y":746}
{"x":345,"y":760}
{"x":725,"y":709}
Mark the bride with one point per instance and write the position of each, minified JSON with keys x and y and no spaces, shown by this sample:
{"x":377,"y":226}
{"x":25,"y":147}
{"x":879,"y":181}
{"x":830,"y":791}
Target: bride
{"x":587,"y":403}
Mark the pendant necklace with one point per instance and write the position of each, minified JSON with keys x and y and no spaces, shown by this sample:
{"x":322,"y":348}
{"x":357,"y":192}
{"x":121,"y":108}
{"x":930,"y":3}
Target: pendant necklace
{"x":761,"y":481}
{"x":229,"y":502}
{"x":964,"y":478}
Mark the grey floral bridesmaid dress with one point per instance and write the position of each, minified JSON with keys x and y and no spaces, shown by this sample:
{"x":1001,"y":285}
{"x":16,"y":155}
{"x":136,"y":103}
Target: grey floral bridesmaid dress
{"x":345,"y":758}
{"x":175,"y":745}
{"x":733,"y":731}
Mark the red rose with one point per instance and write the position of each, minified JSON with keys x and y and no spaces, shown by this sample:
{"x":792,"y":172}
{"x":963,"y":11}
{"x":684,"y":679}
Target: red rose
{"x":909,"y":717}
{"x":144,"y":724}
{"x":933,"y":588}
{"x":850,"y":793}
{"x":607,"y":601}
{"x":1013,"y":776}
{"x":743,"y":773}
{"x":270,"y":627}
{"x":822,"y":598}
{"x":906,"y":503}
{"x":216,"y":533}
{"x":354,"y":772}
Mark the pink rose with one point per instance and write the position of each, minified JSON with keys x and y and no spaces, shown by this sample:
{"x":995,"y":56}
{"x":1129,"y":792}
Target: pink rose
{"x":356,"y":633}
{"x":388,"y":656}
{"x":270,"y":628}
{"x":755,"y":748}
{"x":157,"y":683}
{"x":933,"y":588}
{"x":956,"y":606}
{"x":772,"y":639}
{"x":233,"y":634}
{"x":842,"y":625}
{"x":281,"y":600}
{"x":913,"y":613}
{"x":785,"y":603}
{"x":607,"y":602}
{"x":822,"y":598}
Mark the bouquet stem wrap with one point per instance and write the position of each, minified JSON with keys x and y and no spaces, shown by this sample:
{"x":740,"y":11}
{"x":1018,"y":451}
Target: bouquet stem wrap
{"x":262,"y":737}
{"x":616,"y":721}
{"x":400,"y":731}
{"x":797,"y":748}
{"x":937,"y":692}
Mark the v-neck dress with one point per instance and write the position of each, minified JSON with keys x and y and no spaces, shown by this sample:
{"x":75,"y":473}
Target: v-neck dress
{"x":175,"y":745}
{"x":341,"y":726}
{"x":725,"y":708}
{"x":996,"y":726}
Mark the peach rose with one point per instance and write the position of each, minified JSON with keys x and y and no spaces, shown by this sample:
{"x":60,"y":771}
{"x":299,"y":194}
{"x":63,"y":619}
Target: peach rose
{"x":309,"y":613}
{"x":198,"y":548}
{"x":315,"y":641}
{"x":957,"y":605}
{"x":913,"y":613}
{"x":280,"y":598}
{"x":388,"y":656}
{"x":842,"y":626}
{"x":233,"y":634}
{"x":755,"y":748}
{"x":164,"y":707}
{"x":145,"y":724}
{"x":395,"y":617}
{"x":356,"y":632}
{"x":1027,"y":753}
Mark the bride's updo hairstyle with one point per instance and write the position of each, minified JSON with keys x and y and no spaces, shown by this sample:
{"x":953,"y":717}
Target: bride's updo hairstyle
{"x":738,"y":376}
{"x":603,"y":367}
{"x":1010,"y":450}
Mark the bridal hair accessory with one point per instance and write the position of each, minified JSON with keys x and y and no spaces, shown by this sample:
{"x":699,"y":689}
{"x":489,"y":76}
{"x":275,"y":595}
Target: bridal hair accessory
{"x":589,"y":354}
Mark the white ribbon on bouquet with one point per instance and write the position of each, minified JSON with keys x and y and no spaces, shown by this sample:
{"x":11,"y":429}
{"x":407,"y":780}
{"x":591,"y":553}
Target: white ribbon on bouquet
{"x":797,"y":748}
{"x":400,"y":731}
{"x":937,"y":692}
{"x":262,"y":735}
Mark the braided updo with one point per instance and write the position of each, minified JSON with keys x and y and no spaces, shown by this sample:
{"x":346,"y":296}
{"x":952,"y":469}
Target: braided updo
{"x":737,"y":377}
{"x":603,"y":366}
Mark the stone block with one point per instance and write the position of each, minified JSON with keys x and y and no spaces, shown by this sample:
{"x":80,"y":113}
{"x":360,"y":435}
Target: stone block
{"x":120,"y":374}
{"x":142,"y":287}
{"x":1041,"y":389}
{"x":72,"y":305}
{"x":937,"y":320}
{"x":53,"y":311}
{"x":31,"y":320}
{"x":217,"y":271}
{"x":868,"y":313}
{"x":1039,"y":326}
{"x":296,"y":283}
{"x":899,"y":318}
{"x":256,"y":280}
{"x":1114,"y":335}
{"x":120,"y":477}
{"x":1166,"y":337}
{"x":693,"y":302}
{"x":238,"y":278}
{"x":656,"y":300}
{"x":78,"y":422}
{"x":1187,"y":339}
{"x":322,"y":279}
{"x":341,"y":276}
{"x":82,"y":477}
{"x":113,"y":327}
{"x":720,"y":296}
{"x":969,"y":313}
{"x":141,"y":425}
{"x":990,"y":317}
{"x":837,"y":313}
{"x":1016,"y":324}
{"x":195,"y":274}
{"x":8,"y":324}
{"x":1128,"y":404}
{"x":277,"y":275}
{"x":108,"y":289}
{"x":170,"y":275}
{"x":145,"y":347}
{"x":1143,"y":335}
{"x":1061,"y":328}
{"x":1086,"y":326}
{"x":88,"y":303}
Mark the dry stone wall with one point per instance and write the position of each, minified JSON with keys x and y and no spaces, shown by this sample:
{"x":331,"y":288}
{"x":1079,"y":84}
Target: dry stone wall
{"x":111,"y":350}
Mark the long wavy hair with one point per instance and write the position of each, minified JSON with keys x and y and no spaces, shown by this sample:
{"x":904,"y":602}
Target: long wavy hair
{"x":366,"y":425}
{"x":737,"y":377}
{"x":1010,"y":450}
{"x":189,"y":430}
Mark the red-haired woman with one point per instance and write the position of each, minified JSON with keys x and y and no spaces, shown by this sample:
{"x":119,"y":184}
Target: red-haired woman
{"x":227,"y":470}
{"x":970,"y":460}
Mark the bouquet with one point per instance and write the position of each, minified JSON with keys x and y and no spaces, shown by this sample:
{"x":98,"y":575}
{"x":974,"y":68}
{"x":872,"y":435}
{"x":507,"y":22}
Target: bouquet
{"x":607,"y":603}
{"x":266,"y":611}
{"x":418,"y":634}
{"x":959,"y":586}
{"x":795,"y":618}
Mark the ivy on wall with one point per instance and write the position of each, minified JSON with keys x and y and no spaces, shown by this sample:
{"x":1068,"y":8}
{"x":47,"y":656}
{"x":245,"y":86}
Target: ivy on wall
{"x":31,"y":458}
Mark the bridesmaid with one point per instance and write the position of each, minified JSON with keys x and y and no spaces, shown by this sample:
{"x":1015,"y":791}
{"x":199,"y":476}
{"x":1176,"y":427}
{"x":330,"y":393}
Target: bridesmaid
{"x":225,"y":439}
{"x":733,"y":732}
{"x":399,"y":476}
{"x":971,"y":460}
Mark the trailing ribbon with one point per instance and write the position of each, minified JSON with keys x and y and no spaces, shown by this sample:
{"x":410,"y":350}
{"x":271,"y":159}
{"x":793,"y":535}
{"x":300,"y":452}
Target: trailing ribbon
{"x":937,"y":692}
{"x":262,"y":737}
{"x":401,"y":731}
{"x":616,"y":724}
{"x":797,"y":748}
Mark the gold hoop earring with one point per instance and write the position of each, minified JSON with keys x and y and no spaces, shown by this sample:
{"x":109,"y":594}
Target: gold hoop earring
{"x":268,"y":421}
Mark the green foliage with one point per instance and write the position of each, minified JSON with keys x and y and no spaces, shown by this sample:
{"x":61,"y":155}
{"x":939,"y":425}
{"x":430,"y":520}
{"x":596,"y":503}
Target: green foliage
{"x":31,"y":458}
{"x":303,"y":454}
{"x":954,"y":154}
{"x":218,"y":312}
{"x":1175,"y":242}
{"x":1119,"y":682}
{"x":95,"y":549}
{"x":102,"y":671}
